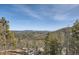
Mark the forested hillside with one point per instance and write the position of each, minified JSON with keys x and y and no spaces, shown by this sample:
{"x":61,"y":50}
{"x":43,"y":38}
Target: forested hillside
{"x":38,"y":39}
{"x":30,"y":39}
{"x":64,"y":41}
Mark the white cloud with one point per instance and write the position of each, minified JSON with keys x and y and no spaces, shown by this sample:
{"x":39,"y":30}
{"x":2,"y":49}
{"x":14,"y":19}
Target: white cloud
{"x":57,"y":12}
{"x":28,"y":11}
{"x":60,"y":17}
{"x":62,"y":12}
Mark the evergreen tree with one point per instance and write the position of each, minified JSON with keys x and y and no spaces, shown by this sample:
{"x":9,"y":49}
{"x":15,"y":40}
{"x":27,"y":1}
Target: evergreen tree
{"x":7,"y":36}
{"x":51,"y":45}
{"x":74,"y":42}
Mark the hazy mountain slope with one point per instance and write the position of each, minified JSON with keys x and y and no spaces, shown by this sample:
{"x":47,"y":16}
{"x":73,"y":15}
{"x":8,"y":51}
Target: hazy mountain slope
{"x":37,"y":37}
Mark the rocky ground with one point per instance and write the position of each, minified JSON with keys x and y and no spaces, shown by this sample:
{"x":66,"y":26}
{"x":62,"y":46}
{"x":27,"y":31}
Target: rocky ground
{"x":23,"y":51}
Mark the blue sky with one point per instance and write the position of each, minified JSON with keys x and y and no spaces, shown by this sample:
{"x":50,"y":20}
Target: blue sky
{"x":39,"y":17}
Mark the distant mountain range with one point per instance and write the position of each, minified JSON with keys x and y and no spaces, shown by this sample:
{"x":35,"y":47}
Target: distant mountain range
{"x":37,"y":34}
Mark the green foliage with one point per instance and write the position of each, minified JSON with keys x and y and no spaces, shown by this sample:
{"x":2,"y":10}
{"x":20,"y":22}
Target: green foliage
{"x":54,"y":41}
{"x":6,"y":36}
{"x":51,"y":45}
{"x":74,"y":43}
{"x":12,"y":40}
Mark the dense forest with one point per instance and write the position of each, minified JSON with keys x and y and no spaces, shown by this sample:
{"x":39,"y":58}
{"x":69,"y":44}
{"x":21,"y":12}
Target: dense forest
{"x":60,"y":42}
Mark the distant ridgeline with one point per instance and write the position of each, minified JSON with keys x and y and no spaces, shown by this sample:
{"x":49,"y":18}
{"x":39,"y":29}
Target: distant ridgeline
{"x":7,"y":39}
{"x":63,"y":41}
{"x":19,"y":39}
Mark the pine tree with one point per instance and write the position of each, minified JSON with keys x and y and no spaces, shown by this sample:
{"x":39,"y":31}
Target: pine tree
{"x":51,"y":45}
{"x":7,"y":36}
{"x":4,"y":34}
{"x":74,"y":42}
{"x":46,"y":41}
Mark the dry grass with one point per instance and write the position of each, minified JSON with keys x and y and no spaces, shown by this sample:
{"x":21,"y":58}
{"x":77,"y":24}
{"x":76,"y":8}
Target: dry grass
{"x":11,"y":52}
